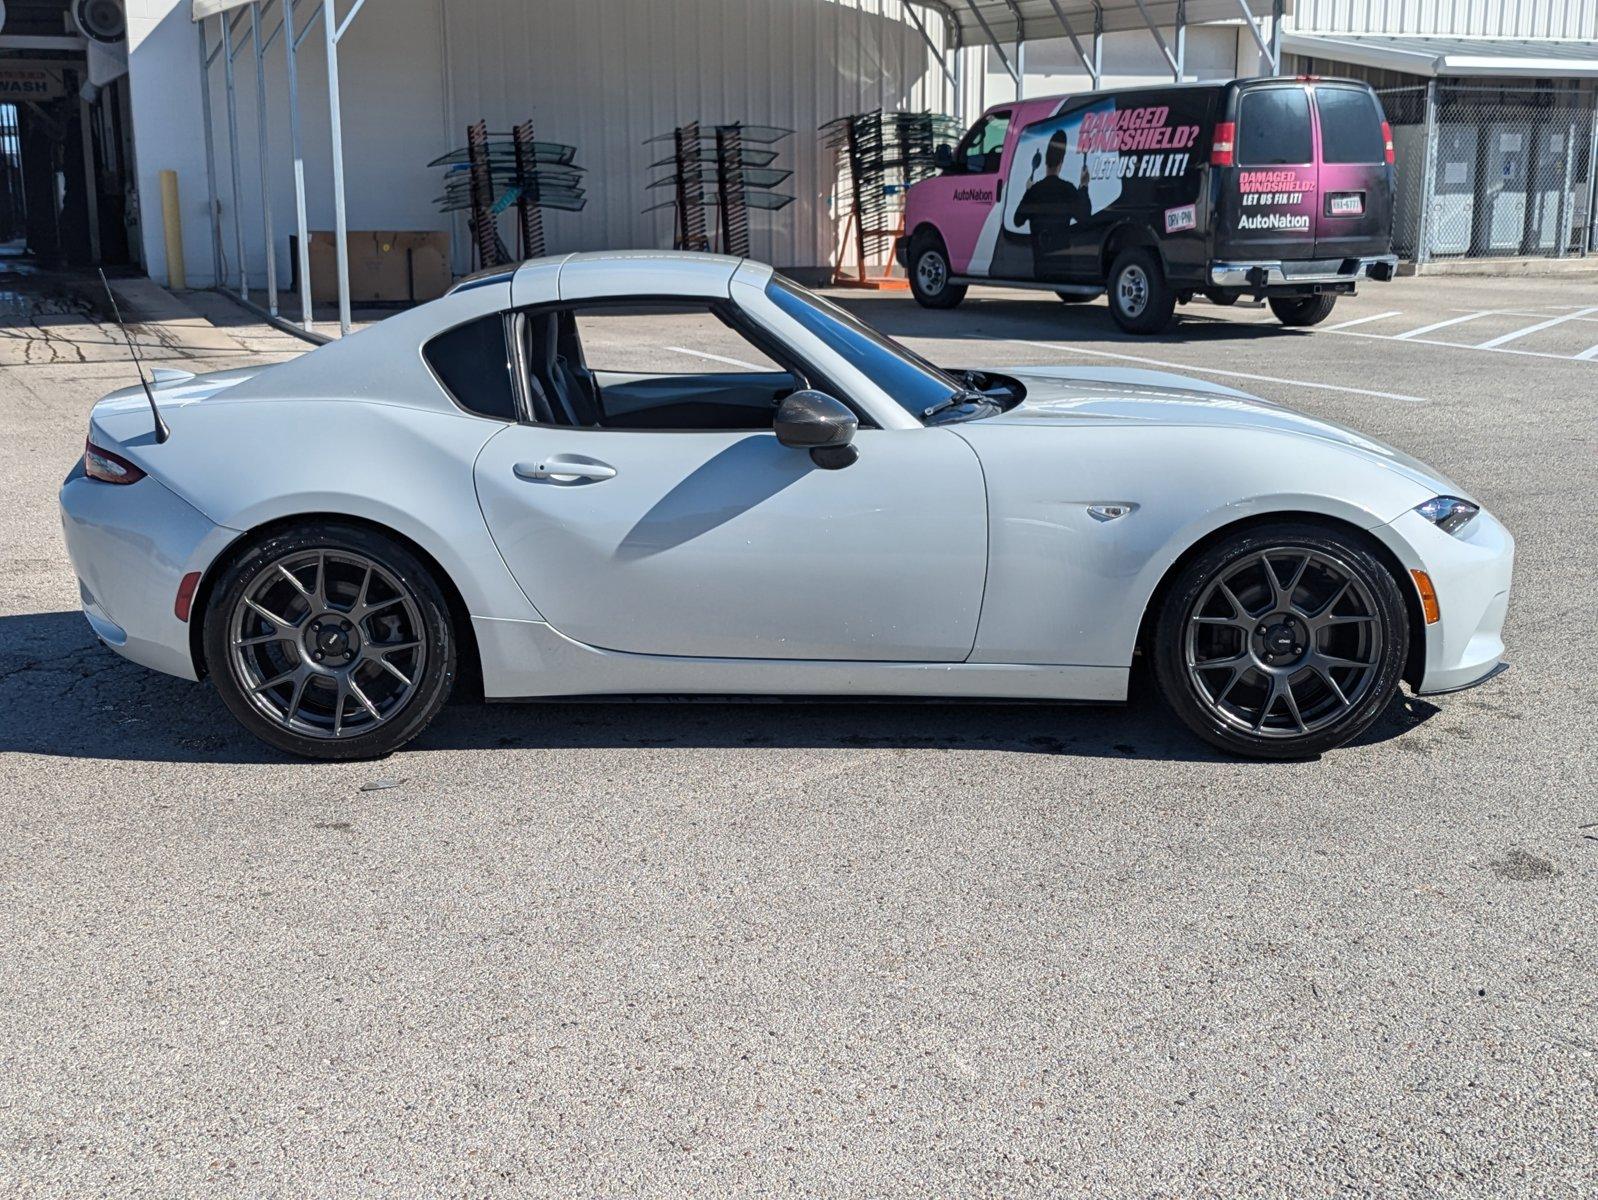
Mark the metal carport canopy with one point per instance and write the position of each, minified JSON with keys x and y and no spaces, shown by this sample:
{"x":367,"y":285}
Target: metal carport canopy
{"x":978,"y":21}
{"x":1434,"y":57}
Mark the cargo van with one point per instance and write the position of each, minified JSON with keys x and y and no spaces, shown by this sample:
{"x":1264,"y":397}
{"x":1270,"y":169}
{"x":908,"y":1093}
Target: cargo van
{"x":1280,"y":189}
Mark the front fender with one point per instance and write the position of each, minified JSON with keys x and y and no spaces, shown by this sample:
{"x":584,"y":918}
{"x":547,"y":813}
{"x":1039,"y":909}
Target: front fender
{"x":1066,"y":588}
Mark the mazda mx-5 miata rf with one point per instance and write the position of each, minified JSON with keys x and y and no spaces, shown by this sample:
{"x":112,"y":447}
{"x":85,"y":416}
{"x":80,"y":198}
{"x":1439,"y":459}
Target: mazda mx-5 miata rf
{"x":675,"y":474}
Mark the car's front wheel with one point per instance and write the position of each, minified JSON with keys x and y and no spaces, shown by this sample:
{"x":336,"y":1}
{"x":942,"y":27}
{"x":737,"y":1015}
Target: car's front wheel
{"x":931,"y":275}
{"x":1281,"y":641}
{"x":330,"y":641}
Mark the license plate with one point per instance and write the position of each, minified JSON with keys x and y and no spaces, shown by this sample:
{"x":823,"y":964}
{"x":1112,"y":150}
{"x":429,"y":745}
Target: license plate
{"x":1347,"y":206}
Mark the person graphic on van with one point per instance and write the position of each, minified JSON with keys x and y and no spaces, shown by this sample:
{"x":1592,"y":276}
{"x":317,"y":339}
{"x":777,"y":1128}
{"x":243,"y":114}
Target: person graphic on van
{"x":1051,"y":206}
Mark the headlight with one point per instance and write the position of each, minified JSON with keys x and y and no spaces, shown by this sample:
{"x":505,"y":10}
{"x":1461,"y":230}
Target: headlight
{"x":1448,"y":513}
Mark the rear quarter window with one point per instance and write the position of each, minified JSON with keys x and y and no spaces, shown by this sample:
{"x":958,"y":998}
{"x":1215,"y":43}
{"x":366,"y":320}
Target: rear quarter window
{"x":1273,"y":128}
{"x":1351,"y":126}
{"x":473,"y":363}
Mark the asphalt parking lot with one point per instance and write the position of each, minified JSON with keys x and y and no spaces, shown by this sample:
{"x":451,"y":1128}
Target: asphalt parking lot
{"x":829,"y":949}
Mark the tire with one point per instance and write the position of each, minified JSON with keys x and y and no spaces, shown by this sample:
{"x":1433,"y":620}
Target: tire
{"x":1299,"y":312}
{"x":1071,"y":298}
{"x":929,"y":275}
{"x":330,"y":641}
{"x":1266,"y":672}
{"x":1140,"y":299}
{"x":1224,"y":299}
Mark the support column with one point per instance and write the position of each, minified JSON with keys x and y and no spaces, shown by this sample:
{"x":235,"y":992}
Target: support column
{"x":1428,"y":180}
{"x":260,"y":138}
{"x":1181,"y":39}
{"x":341,"y":247}
{"x":91,"y":187}
{"x":233,"y":151}
{"x":291,"y":47}
{"x":214,"y":215}
{"x":1590,"y":241}
{"x":1098,"y":47}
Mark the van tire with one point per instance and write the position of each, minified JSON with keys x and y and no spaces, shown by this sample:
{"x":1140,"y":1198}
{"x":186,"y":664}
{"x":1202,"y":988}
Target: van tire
{"x":1075,"y":298}
{"x":1302,"y":311}
{"x":1140,"y":299}
{"x":1224,"y":299}
{"x":930,"y":273}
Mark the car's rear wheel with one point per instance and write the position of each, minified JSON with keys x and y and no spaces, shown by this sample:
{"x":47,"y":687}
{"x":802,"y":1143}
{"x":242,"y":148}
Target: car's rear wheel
{"x":1140,"y":299}
{"x":930,"y":274}
{"x":1301,"y":311}
{"x":330,"y":641}
{"x":1281,"y":641}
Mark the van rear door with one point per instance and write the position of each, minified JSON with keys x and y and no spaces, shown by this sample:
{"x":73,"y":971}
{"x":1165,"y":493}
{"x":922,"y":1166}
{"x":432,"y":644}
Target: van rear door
{"x":1268,"y":195}
{"x":1354,"y":216}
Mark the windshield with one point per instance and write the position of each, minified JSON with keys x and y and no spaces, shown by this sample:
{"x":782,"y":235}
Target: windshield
{"x":903,"y":374}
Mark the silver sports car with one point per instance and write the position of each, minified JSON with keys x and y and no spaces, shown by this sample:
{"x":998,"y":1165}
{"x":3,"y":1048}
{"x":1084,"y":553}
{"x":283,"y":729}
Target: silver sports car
{"x":656,"y":473}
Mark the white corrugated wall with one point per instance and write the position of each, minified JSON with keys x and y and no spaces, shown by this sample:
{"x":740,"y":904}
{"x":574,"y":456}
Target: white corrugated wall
{"x":608,"y":75}
{"x":603,"y":74}
{"x":1467,"y":18}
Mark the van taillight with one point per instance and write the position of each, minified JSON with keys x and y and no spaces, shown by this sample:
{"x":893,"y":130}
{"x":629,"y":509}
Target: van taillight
{"x":101,"y":464}
{"x":1221,"y":146}
{"x":1387,"y":142}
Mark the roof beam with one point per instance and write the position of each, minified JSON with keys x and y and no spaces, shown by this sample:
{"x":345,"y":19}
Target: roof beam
{"x":994,"y":42}
{"x":1160,"y":37}
{"x":1076,"y":43}
{"x":938,"y":54}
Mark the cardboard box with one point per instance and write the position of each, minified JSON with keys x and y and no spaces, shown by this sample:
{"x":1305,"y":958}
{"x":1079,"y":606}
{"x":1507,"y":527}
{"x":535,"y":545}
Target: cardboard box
{"x":401,"y":266}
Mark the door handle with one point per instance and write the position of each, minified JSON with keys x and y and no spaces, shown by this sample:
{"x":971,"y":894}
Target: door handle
{"x":559,"y":470}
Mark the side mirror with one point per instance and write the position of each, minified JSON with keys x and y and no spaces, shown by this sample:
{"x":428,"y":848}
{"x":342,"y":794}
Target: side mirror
{"x":814,"y":421}
{"x":943,"y":156}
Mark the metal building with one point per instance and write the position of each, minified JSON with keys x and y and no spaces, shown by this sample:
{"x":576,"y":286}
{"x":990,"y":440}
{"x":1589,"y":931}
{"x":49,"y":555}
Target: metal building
{"x":235,"y":99}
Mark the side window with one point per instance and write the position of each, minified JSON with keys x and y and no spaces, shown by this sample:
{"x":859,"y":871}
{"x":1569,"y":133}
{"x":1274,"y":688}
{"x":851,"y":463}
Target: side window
{"x":1351,"y":127}
{"x":1273,"y":128}
{"x":473,"y":364}
{"x":666,"y":339}
{"x":659,"y":366}
{"x":982,"y":148}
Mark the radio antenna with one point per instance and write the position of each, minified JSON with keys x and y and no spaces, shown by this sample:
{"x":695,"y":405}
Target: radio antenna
{"x":161,"y":431}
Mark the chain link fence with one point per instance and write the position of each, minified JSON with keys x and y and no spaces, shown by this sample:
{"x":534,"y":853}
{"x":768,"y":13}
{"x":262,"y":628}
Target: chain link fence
{"x":1489,"y":171}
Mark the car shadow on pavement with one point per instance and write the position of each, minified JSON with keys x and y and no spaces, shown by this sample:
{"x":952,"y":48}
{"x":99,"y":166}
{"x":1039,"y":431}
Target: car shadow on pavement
{"x":1047,"y":320}
{"x":64,"y":695}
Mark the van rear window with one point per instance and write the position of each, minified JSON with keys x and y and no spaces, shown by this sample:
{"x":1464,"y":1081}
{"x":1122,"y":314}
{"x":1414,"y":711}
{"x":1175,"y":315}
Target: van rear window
{"x":1273,"y":128}
{"x":1351,"y":129}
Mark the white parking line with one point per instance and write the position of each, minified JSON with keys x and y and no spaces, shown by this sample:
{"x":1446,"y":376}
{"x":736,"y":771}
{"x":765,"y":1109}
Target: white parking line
{"x":1420,"y":341}
{"x":1590,"y":353}
{"x":1472,"y":316}
{"x":1494,"y":343}
{"x":721,"y":358}
{"x":1361,"y":321}
{"x":1158,"y":362}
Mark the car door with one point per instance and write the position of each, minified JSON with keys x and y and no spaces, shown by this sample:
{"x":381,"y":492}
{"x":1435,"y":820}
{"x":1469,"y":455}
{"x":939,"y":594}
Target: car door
{"x":1355,"y":214}
{"x":1269,"y":198}
{"x":723,"y":543}
{"x":962,"y":197}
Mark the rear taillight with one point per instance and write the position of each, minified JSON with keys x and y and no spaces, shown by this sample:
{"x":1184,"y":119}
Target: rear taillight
{"x":1221,"y":146}
{"x":1387,"y":141}
{"x":101,"y":464}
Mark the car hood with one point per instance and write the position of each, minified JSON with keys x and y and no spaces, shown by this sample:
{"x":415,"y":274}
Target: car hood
{"x":1058,"y":396}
